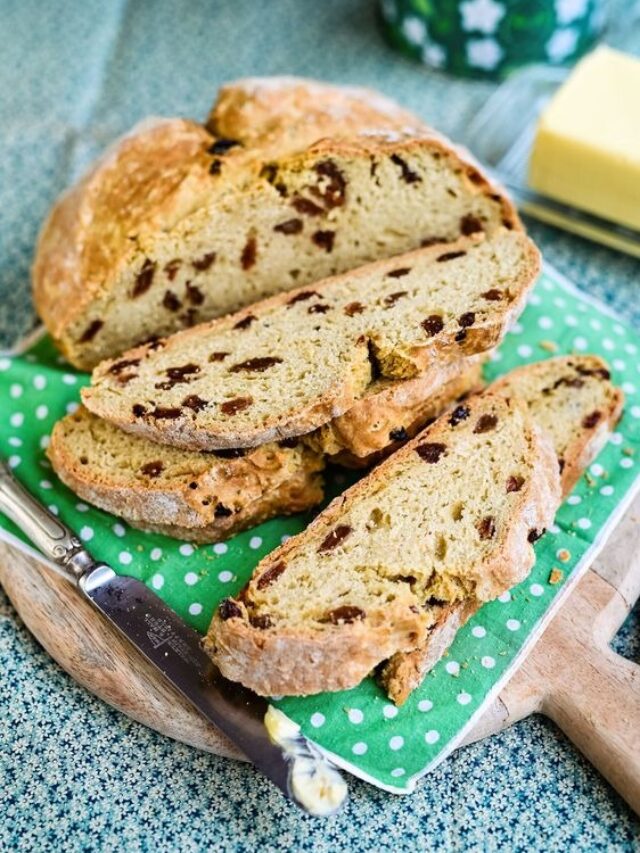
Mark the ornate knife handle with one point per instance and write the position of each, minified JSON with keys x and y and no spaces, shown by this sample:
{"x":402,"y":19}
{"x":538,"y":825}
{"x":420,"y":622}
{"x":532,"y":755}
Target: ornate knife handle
{"x":48,"y":534}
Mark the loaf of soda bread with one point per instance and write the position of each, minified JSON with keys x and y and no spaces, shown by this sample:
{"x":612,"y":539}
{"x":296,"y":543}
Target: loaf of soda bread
{"x":291,"y":181}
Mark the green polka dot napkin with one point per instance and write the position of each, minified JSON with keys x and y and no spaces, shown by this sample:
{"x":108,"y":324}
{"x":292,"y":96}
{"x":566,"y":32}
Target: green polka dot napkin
{"x":373,"y":739}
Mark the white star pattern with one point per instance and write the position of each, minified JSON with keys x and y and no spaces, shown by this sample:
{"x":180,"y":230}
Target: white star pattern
{"x":434,"y":54}
{"x":484,"y":53}
{"x":568,"y":10}
{"x":561,"y":44}
{"x":481,"y":15}
{"x":414,"y":30}
{"x":389,"y":10}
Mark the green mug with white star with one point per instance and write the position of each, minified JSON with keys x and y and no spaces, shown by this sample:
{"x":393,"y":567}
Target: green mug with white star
{"x":491,"y":38}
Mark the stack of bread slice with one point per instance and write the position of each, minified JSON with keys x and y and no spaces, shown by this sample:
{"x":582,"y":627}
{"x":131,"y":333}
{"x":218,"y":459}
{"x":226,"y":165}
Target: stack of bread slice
{"x":313,"y":275}
{"x":221,"y":426}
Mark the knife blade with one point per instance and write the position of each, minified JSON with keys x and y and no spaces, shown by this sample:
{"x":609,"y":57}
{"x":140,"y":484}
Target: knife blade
{"x":270,"y":740}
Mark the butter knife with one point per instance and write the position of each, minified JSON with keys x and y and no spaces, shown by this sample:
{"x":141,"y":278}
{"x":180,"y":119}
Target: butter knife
{"x":266,"y":736}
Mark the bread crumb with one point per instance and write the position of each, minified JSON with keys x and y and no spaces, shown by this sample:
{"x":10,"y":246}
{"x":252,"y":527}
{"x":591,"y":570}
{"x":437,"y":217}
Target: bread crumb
{"x":555,"y":576}
{"x":549,"y":346}
{"x":628,"y":451}
{"x":564,"y":555}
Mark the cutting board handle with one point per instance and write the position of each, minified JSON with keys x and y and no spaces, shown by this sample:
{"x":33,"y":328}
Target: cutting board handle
{"x":599,"y":710}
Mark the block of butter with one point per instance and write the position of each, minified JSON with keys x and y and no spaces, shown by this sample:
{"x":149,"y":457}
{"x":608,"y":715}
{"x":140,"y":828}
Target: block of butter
{"x":587,"y":146}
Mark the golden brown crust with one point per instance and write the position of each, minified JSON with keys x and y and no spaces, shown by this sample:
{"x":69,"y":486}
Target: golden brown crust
{"x":404,"y":671}
{"x":282,"y":115}
{"x":300,"y":492}
{"x":302,"y":663}
{"x":147,"y":180}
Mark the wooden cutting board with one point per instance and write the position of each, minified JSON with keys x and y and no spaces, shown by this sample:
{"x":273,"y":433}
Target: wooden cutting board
{"x":571,"y":675}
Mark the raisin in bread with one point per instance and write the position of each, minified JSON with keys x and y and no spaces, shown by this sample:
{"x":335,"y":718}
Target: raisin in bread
{"x":293,"y":362}
{"x":449,"y":518}
{"x":574,"y":401}
{"x":175,"y":225}
{"x":203,"y":497}
{"x":392,"y":412}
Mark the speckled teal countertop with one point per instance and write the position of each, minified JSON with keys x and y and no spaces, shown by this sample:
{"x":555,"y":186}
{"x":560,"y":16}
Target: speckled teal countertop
{"x":77,"y":775}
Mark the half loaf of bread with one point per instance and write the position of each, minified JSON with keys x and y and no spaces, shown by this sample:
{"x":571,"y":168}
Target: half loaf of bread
{"x":291,"y":181}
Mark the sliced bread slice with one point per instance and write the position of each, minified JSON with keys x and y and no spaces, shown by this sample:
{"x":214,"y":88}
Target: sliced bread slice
{"x":174,"y":225}
{"x":450,"y":517}
{"x":574,"y":401}
{"x":392,"y":412}
{"x":293,"y":362}
{"x":202,"y":497}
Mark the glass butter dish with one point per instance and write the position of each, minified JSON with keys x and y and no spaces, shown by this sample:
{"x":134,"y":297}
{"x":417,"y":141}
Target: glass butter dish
{"x":501,"y":136}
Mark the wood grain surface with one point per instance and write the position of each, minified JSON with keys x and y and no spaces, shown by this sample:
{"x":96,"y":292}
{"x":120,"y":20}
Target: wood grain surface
{"x":571,"y":675}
